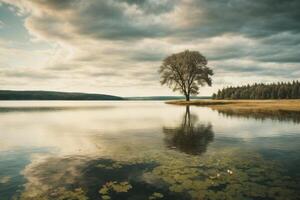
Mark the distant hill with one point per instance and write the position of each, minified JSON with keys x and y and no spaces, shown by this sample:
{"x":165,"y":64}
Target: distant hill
{"x":162,"y":98}
{"x":52,"y":95}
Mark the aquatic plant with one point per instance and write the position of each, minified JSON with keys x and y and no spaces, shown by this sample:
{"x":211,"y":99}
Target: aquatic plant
{"x":226,"y":176}
{"x":5,"y":179}
{"x":156,"y":195}
{"x":114,"y":186}
{"x":114,"y":165}
{"x":56,"y":194}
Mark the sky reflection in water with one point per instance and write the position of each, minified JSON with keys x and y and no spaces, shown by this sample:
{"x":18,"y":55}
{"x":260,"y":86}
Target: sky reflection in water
{"x":145,"y":150}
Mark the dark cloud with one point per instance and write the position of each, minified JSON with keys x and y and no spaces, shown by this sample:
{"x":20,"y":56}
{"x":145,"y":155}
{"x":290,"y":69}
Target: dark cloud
{"x":259,"y":18}
{"x":284,"y":38}
{"x":152,"y":6}
{"x":274,"y":21}
{"x":147,"y":56}
{"x":274,"y":53}
{"x":110,"y":20}
{"x":113,"y":20}
{"x":254,"y":69}
{"x":284,"y":56}
{"x":247,"y":69}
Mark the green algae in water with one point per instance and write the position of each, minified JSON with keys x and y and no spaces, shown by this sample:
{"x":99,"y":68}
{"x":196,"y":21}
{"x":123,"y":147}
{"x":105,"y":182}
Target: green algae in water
{"x":228,"y":179}
{"x":114,"y":186}
{"x":111,"y":166}
{"x":156,"y":195}
{"x":5,"y":179}
{"x":57,"y":194}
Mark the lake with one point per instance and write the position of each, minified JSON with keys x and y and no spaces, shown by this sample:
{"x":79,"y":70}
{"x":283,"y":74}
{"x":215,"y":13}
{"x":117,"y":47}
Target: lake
{"x":145,"y":150}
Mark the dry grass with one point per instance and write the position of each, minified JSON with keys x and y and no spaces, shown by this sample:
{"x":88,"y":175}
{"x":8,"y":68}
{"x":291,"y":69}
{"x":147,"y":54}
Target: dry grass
{"x":265,"y":105}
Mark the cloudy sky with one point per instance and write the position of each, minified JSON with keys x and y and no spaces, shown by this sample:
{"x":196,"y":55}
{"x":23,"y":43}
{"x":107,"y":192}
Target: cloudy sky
{"x":116,"y":46}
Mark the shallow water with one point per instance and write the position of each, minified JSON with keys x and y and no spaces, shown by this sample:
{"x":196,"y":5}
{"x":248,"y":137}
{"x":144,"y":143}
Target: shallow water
{"x":145,"y":150}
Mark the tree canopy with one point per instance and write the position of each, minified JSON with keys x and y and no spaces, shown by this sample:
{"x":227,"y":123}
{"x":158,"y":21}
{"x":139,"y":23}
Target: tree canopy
{"x":185,"y":72}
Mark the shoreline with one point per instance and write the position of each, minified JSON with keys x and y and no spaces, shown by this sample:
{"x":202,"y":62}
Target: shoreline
{"x":244,"y":105}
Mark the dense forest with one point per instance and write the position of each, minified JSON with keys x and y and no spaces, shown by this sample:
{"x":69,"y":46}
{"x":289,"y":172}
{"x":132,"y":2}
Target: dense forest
{"x":280,"y":90}
{"x":51,"y":95}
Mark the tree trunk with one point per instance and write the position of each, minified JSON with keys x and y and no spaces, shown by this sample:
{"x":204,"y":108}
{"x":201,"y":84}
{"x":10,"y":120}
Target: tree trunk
{"x":187,"y":97}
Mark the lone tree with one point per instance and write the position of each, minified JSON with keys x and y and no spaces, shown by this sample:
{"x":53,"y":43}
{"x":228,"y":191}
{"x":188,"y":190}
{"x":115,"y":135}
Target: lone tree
{"x":185,"y":72}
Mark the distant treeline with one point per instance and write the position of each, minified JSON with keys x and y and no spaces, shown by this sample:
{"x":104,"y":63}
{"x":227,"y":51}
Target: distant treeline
{"x":280,"y":90}
{"x":51,"y":95}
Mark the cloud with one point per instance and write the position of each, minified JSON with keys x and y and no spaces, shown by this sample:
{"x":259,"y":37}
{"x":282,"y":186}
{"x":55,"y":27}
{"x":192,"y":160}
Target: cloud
{"x":120,"y":43}
{"x":1,"y":24}
{"x":123,"y":19}
{"x":249,"y":18}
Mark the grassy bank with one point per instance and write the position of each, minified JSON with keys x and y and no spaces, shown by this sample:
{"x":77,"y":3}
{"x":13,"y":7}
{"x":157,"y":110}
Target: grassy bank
{"x":245,"y":105}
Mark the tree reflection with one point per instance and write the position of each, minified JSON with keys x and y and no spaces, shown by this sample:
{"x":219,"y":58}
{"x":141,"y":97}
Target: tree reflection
{"x":190,"y":137}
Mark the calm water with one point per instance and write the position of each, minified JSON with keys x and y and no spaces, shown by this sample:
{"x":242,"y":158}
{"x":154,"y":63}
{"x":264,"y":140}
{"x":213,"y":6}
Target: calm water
{"x":145,"y":150}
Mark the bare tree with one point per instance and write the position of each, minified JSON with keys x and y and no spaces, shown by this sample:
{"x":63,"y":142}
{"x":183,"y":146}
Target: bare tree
{"x":185,"y":72}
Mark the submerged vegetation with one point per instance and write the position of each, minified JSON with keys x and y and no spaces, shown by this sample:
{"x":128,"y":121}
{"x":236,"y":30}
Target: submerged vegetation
{"x":225,"y":174}
{"x":280,"y":90}
{"x":114,"y":186}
